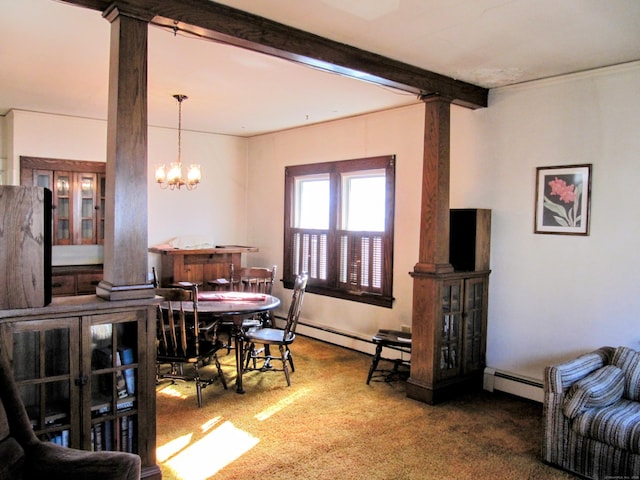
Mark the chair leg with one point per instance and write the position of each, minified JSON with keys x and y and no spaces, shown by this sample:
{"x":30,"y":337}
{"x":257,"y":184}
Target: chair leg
{"x":285,"y":367}
{"x":290,"y":357}
{"x":250,"y":355}
{"x":220,"y":374}
{"x":198,"y":385}
{"x":374,"y":362}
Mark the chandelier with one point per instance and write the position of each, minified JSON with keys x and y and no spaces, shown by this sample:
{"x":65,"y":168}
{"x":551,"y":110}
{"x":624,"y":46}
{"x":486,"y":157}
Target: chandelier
{"x":174,"y":177}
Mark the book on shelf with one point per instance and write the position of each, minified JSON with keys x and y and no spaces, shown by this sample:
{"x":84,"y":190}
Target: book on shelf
{"x":129,"y":373}
{"x":103,"y":359}
{"x":124,"y":433}
{"x":97,"y":434}
{"x":59,"y":438}
{"x":108,"y":439}
{"x":102,"y":405}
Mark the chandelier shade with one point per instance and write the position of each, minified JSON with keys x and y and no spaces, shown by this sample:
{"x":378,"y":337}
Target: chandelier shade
{"x":174,"y":177}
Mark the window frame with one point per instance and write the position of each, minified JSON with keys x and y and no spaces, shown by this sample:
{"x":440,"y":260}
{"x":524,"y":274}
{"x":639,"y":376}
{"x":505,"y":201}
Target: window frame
{"x":332,"y":286}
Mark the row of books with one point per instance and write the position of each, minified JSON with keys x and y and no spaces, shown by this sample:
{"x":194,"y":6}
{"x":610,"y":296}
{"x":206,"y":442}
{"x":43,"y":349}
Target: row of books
{"x":118,"y":434}
{"x":59,"y":438}
{"x":102,"y":405}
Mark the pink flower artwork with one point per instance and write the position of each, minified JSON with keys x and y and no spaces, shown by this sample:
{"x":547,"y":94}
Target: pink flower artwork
{"x":562,"y":202}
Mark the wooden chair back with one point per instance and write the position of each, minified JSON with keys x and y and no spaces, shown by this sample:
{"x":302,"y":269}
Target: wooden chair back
{"x":295,"y":308}
{"x":178,"y":331}
{"x":255,"y":279}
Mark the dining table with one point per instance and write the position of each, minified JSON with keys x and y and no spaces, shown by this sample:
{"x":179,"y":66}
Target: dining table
{"x":234,"y":307}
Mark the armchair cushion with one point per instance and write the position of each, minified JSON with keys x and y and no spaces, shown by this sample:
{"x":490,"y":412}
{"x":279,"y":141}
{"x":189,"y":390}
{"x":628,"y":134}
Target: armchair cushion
{"x":600,"y":388}
{"x":11,"y":459}
{"x":55,"y":462}
{"x":628,"y":361}
{"x":615,"y":425}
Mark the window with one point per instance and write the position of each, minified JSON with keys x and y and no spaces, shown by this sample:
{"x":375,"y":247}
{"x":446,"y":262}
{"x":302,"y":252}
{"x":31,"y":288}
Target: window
{"x":339,"y":228}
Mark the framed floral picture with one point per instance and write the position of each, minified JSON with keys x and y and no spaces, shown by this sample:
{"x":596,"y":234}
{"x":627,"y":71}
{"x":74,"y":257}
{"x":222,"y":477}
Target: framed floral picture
{"x":563,"y":196}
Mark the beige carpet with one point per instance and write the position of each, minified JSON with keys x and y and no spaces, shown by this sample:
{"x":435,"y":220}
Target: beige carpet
{"x":330,"y":425}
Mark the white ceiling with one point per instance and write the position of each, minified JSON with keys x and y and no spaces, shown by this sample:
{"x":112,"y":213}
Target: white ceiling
{"x":54,"y":56}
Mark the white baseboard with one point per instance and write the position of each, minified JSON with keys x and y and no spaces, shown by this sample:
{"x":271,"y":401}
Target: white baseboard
{"x":513,"y":384}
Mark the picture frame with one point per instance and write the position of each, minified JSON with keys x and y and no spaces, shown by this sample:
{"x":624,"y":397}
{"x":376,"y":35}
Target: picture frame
{"x":563,"y":199}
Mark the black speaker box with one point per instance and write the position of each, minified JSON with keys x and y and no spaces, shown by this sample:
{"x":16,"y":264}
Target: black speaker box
{"x":469,"y":239}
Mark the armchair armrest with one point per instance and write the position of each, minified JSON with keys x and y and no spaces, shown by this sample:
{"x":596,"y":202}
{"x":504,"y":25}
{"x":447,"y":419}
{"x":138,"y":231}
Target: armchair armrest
{"x":557,"y":380}
{"x":559,"y":377}
{"x":53,"y":462}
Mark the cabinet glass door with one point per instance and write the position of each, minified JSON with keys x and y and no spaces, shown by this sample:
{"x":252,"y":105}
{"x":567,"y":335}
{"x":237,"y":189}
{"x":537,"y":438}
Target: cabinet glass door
{"x":86,"y":183}
{"x":63,"y":213}
{"x":114,"y":377}
{"x":46,"y":379}
{"x":474,"y":324}
{"x":449,"y":344}
{"x":44,"y":178}
{"x":102,"y":187}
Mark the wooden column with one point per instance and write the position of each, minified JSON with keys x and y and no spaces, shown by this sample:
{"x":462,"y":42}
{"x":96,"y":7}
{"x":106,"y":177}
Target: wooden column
{"x":434,"y":216}
{"x":125,"y":243}
{"x":434,"y":247}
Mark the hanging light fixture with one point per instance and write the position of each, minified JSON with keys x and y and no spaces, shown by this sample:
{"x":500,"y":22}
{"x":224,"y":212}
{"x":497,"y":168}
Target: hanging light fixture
{"x":173,"y":177}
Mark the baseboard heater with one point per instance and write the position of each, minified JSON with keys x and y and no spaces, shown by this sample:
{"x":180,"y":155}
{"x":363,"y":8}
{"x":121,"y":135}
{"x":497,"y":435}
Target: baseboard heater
{"x":337,"y":337}
{"x":514,"y":384}
{"x":501,"y":381}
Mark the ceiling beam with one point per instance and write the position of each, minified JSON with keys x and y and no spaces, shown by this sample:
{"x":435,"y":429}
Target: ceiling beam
{"x":221,"y":23}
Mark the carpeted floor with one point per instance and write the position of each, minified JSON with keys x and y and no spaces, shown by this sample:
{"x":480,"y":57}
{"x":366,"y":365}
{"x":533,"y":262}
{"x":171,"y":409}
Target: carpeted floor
{"x":330,"y":425}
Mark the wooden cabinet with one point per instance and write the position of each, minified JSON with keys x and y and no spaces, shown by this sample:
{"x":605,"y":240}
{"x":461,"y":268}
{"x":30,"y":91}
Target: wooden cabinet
{"x":448,"y":350}
{"x":75,"y":280}
{"x":198,"y":265}
{"x":85,"y":370}
{"x":449,"y":327}
{"x":78,"y":197}
{"x":460,"y":342}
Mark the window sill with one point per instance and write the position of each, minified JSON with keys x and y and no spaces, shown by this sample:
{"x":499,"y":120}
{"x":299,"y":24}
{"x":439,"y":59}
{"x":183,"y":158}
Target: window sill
{"x":364,"y":297}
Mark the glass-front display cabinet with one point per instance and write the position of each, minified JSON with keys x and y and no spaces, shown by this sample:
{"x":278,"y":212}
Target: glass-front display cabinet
{"x":45,"y":375}
{"x":78,"y":197}
{"x":85,"y":374}
{"x":113,"y":386}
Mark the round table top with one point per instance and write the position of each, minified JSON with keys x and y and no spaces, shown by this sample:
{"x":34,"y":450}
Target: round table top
{"x":235,"y":303}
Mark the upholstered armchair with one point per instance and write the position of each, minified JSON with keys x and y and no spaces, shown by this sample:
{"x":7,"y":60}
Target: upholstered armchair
{"x":24,"y":456}
{"x":592,"y":414}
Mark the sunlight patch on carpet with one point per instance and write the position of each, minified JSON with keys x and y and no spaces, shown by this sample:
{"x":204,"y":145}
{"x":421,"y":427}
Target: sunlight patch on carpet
{"x":208,"y":425}
{"x":208,"y":455}
{"x":276,"y":407}
{"x":169,"y":449}
{"x":171,"y":391}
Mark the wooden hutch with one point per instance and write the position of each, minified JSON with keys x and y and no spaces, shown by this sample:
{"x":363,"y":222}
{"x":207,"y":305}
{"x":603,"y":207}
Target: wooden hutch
{"x":198,"y":265}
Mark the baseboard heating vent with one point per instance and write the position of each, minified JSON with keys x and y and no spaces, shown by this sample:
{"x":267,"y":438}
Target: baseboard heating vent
{"x":337,"y":337}
{"x":514,"y":384}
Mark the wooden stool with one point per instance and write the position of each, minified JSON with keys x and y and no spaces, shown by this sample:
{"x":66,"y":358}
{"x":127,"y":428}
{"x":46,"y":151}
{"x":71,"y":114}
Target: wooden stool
{"x":395,"y":340}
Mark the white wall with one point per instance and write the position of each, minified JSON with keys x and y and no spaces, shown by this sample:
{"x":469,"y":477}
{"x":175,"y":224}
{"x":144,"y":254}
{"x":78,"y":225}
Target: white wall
{"x":555,"y":296}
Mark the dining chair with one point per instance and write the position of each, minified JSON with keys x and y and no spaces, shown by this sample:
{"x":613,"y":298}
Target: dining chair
{"x":253,"y":280}
{"x":224,"y":284}
{"x":257,"y":280}
{"x":182,"y":341}
{"x":261,"y":359}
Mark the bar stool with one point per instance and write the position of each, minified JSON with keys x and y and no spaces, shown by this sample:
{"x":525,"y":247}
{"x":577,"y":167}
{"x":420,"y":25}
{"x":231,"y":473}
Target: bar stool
{"x":396,"y":340}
